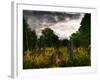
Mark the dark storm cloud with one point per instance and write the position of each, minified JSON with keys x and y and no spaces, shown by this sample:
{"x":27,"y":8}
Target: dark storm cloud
{"x":51,"y":15}
{"x":38,"y":20}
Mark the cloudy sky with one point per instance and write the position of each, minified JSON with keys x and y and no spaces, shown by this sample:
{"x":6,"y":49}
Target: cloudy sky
{"x":62,"y":23}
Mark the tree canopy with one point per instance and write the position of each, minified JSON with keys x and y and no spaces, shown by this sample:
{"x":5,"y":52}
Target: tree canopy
{"x":82,"y":36}
{"x":50,"y":39}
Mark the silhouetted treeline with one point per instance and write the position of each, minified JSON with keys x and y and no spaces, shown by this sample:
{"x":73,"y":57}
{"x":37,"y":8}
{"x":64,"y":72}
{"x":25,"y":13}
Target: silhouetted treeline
{"x":82,"y":38}
{"x":48,"y":39}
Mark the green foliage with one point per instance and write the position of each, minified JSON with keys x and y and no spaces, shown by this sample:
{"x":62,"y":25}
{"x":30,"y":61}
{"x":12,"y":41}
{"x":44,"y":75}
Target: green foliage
{"x":32,"y":39}
{"x":29,"y":37}
{"x":82,"y":37}
{"x":50,"y":39}
{"x":63,"y":43}
{"x":76,"y":39}
{"x":85,"y":30}
{"x":81,"y":57}
{"x":25,"y":25}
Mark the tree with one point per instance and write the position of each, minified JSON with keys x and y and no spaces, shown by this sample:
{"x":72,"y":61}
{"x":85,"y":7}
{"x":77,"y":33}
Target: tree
{"x":25,"y":39}
{"x":40,"y":42}
{"x":82,"y":36}
{"x":29,"y":37}
{"x":32,"y":39}
{"x":85,"y":30}
{"x":64,"y":42}
{"x":75,"y":37}
{"x":50,"y":39}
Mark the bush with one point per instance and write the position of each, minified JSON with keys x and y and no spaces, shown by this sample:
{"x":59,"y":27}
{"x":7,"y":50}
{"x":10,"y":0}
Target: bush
{"x":81,"y":58}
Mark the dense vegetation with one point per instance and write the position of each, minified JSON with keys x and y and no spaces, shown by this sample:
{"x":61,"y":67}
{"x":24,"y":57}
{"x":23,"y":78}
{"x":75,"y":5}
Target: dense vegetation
{"x":49,"y":51}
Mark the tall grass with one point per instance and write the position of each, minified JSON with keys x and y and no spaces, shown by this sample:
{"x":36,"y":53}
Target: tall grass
{"x":49,"y":58}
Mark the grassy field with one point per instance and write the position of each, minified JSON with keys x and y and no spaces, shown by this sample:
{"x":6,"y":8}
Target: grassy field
{"x":50,"y":57}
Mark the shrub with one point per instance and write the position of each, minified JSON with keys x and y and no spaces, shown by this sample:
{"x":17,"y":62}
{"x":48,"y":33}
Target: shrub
{"x":81,"y":58}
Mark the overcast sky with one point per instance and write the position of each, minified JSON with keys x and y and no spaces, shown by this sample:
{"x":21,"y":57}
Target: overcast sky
{"x":62,"y":23}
